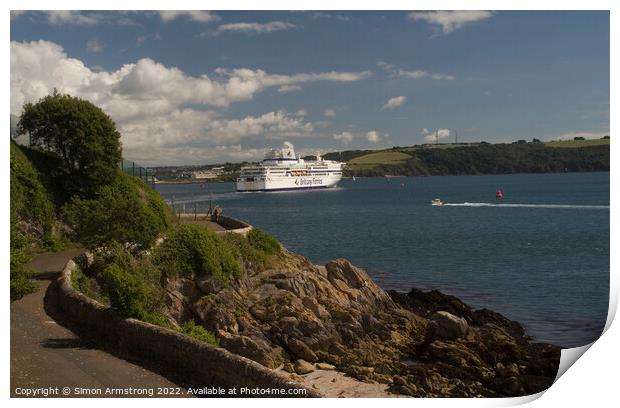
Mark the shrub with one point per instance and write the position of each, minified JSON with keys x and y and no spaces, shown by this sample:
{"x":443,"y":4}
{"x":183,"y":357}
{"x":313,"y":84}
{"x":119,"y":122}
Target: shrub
{"x":193,"y":251}
{"x":199,"y":333}
{"x":265,"y":242}
{"x":88,"y":286}
{"x":30,"y":202}
{"x":129,"y":295}
{"x":21,"y":284}
{"x":253,"y":257}
{"x":126,"y":212}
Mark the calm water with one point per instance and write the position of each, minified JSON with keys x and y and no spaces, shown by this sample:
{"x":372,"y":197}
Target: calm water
{"x":545,"y":265}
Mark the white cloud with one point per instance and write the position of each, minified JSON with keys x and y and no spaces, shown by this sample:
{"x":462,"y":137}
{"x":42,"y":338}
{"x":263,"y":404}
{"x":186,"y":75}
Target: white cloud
{"x":344,"y":137}
{"x":437,"y":135}
{"x":194,"y":15}
{"x":94,"y":46}
{"x":450,"y":20}
{"x":419,"y":74}
{"x":373,"y":136}
{"x":395,"y":71}
{"x":329,"y":16}
{"x":257,"y":28}
{"x":394,"y":102}
{"x":149,"y":101}
{"x":329,"y":113}
{"x":71,"y":17}
{"x":289,"y":88}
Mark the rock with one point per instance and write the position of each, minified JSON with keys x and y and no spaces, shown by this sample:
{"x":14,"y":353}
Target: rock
{"x":325,"y":366}
{"x":445,"y":325}
{"x":303,"y":367}
{"x":303,"y":317}
{"x":329,"y":358}
{"x":301,"y":350}
{"x":256,"y":349}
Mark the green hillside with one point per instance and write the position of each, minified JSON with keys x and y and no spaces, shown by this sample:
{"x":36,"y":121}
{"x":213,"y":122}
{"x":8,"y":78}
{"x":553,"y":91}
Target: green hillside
{"x":578,"y":143}
{"x":381,"y":158}
{"x":479,"y":158}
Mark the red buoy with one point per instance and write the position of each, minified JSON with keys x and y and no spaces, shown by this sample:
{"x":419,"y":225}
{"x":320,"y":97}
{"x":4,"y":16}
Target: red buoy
{"x":499,"y":194}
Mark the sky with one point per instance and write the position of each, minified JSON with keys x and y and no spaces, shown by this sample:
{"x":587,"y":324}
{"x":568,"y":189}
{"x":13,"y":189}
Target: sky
{"x":200,"y":87}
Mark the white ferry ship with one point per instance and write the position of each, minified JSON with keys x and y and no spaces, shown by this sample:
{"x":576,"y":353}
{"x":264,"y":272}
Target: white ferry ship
{"x":282,"y":170}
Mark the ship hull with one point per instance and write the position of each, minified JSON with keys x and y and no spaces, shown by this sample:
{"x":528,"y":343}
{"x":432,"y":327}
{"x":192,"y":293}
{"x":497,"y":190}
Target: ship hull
{"x":287,"y":183}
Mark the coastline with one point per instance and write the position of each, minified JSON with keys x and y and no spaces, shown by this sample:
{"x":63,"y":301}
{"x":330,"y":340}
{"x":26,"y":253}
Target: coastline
{"x":333,"y":330}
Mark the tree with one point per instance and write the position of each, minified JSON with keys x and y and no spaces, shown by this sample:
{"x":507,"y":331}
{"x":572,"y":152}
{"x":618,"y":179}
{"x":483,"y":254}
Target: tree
{"x":80,"y":133}
{"x":579,"y":138}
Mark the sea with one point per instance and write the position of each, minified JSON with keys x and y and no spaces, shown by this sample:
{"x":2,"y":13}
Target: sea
{"x":539,"y":255}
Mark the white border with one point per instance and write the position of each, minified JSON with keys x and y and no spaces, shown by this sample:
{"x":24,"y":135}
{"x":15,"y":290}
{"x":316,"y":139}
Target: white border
{"x":591,"y":381}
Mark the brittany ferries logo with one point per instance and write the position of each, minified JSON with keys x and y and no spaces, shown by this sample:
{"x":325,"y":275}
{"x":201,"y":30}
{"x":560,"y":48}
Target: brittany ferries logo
{"x":308,"y":182}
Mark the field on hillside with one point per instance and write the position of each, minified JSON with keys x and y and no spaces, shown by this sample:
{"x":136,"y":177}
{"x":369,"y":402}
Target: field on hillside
{"x":578,"y":143}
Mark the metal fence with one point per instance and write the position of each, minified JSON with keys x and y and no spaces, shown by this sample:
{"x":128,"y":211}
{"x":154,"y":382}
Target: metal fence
{"x":134,"y":169}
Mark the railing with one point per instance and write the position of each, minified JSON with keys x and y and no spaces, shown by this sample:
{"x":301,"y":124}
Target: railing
{"x":134,"y":169}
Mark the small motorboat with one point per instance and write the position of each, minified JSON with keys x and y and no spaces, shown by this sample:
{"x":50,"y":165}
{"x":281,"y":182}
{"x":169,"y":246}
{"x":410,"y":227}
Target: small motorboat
{"x":436,"y":202}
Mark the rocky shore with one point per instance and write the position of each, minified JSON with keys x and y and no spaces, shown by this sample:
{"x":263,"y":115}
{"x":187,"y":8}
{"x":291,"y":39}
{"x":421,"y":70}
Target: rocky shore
{"x":332,"y":327}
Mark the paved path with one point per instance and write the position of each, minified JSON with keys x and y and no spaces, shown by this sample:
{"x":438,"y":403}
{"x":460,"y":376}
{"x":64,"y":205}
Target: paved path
{"x":45,"y":354}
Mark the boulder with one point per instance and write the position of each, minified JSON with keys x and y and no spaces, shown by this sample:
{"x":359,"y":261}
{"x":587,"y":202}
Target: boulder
{"x":303,"y":367}
{"x":325,"y":366}
{"x":299,"y":349}
{"x":444,"y":325}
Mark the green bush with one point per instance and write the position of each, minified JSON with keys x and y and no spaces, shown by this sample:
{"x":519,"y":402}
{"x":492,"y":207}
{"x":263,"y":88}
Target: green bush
{"x":193,"y":251}
{"x":30,"y":202}
{"x":126,"y":211}
{"x":86,"y":285}
{"x":21,"y":284}
{"x":129,"y":295}
{"x":254,"y":258}
{"x":199,"y":333}
{"x":265,"y":242}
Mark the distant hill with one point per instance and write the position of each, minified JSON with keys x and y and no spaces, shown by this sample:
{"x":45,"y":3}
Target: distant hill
{"x":478,"y":158}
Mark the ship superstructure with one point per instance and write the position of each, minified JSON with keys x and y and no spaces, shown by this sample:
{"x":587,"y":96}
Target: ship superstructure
{"x":283,"y":170}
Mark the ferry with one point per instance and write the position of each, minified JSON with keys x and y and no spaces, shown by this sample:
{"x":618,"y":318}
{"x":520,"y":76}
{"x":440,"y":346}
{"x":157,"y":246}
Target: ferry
{"x":283,"y":170}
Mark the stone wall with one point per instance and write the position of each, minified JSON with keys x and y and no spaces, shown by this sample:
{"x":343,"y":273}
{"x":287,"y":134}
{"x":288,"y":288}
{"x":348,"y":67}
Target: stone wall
{"x":181,"y":358}
{"x":234,"y":225}
{"x":229,"y":223}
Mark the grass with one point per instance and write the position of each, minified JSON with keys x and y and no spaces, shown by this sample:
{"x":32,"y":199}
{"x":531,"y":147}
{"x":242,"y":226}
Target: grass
{"x":210,"y":225}
{"x":578,"y":143}
{"x":199,"y":333}
{"x":386,"y":157}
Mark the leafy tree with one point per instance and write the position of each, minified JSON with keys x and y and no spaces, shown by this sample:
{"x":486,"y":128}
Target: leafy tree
{"x":80,"y":133}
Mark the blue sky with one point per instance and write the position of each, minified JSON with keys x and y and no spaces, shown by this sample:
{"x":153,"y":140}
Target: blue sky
{"x":207,"y":87}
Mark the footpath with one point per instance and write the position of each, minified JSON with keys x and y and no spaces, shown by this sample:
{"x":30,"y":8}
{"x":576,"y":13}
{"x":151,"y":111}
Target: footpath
{"x":49,"y":360}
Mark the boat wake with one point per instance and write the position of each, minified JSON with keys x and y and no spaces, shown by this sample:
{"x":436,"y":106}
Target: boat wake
{"x":509,"y":205}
